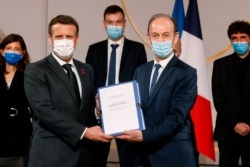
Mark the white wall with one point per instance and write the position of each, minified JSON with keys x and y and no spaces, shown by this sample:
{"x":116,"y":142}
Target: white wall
{"x":30,"y":18}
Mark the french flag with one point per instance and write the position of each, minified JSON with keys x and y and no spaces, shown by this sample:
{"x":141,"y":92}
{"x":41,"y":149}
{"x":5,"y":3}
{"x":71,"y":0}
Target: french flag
{"x":193,"y":54}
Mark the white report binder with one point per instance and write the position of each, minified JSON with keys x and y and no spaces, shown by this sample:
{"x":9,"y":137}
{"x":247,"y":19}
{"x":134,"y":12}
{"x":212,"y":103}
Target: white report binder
{"x":120,"y":106}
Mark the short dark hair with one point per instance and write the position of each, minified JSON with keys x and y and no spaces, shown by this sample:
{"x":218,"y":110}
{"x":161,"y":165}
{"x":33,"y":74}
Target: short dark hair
{"x":63,"y":19}
{"x":113,"y":9}
{"x":239,"y":26}
{"x":158,"y":15}
{"x":26,"y":58}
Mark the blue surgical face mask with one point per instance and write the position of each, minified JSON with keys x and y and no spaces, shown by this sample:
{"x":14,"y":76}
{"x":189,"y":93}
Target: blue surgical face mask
{"x":11,"y":57}
{"x":114,"y":32}
{"x":240,"y":47}
{"x":162,"y":49}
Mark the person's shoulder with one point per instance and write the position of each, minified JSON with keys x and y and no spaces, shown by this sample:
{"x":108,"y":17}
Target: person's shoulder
{"x":145,"y":65}
{"x":98,"y":43}
{"x":39,"y":62}
{"x":133,"y":42}
{"x":225,"y":58}
{"x":38,"y":65}
{"x":82,"y":64}
{"x":181,"y":65}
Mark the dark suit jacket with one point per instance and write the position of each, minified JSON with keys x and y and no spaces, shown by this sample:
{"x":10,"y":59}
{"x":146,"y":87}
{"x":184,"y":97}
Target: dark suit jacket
{"x":231,"y":98}
{"x":15,"y":129}
{"x":59,"y":120}
{"x":133,"y":55}
{"x":167,"y":114}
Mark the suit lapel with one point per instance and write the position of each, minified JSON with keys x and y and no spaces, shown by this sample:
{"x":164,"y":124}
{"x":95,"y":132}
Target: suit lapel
{"x":163,"y":78}
{"x":125,"y":50}
{"x":104,"y":52}
{"x":60,"y":73}
{"x":81,"y":72}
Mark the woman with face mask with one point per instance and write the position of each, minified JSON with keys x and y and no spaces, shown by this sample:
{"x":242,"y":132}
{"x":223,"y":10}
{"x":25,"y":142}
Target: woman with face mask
{"x":15,"y":122}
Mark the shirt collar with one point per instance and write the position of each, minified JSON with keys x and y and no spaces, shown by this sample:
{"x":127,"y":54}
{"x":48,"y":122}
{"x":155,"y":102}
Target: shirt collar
{"x":61,"y":62}
{"x":119,"y":42}
{"x":164,"y":62}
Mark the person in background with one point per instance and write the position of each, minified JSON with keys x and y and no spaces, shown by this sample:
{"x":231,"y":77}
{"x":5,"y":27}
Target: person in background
{"x":168,"y":88}
{"x":61,"y":94}
{"x":129,"y":55}
{"x":15,"y":116}
{"x":231,"y":94}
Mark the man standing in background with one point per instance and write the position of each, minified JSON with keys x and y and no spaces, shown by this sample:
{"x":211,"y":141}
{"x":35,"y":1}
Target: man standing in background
{"x":128,"y":55}
{"x":231,"y":94}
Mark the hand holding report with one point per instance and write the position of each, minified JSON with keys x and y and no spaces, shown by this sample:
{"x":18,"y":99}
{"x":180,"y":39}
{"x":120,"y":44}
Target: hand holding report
{"x":120,"y":108}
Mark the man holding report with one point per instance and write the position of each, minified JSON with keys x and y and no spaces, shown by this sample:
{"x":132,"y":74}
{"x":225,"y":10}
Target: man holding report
{"x":114,"y":68}
{"x":168,"y":88}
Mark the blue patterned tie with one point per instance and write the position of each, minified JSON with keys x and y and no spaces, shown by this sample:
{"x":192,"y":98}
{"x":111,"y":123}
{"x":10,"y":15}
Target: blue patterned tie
{"x":111,"y":78}
{"x":72,"y":79}
{"x":154,"y":79}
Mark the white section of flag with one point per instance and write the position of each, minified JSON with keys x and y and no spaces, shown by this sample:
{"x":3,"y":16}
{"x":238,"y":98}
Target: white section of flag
{"x":193,"y":54}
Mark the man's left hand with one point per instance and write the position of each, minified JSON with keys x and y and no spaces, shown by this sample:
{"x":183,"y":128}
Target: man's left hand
{"x":131,"y":136}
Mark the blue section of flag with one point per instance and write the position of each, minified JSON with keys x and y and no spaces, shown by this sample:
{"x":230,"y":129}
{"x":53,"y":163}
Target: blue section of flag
{"x":179,"y":15}
{"x":192,"y":23}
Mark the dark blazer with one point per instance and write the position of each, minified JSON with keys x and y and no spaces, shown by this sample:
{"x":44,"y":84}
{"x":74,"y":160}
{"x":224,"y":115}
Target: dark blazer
{"x":168,"y":132}
{"x":15,"y":123}
{"x":231,"y":97}
{"x":133,"y":55}
{"x":59,"y":120}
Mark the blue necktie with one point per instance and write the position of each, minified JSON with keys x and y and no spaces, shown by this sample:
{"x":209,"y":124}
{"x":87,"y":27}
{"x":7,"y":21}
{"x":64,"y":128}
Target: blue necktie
{"x":72,"y":79}
{"x":154,"y":79}
{"x":111,"y":78}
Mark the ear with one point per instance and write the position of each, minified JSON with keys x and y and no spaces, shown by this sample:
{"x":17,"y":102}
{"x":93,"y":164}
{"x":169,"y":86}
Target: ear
{"x":76,"y":40}
{"x":50,"y":41}
{"x":177,"y":45}
{"x":176,"y":37}
{"x":149,"y":40}
{"x":24,"y":52}
{"x":104,"y":24}
{"x":1,"y":52}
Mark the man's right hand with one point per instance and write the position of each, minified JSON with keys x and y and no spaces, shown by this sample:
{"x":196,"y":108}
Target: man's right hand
{"x":242,"y":129}
{"x":95,"y":133}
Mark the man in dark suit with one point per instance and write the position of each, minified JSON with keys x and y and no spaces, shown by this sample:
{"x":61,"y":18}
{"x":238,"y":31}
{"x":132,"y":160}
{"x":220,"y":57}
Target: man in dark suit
{"x":129,"y":55}
{"x":65,"y":128}
{"x":168,"y":88}
{"x":231,"y":94}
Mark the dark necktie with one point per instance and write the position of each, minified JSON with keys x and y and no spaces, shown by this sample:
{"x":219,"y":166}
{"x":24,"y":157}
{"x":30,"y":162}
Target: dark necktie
{"x":111,"y":78}
{"x":72,"y":78}
{"x":154,"y":79}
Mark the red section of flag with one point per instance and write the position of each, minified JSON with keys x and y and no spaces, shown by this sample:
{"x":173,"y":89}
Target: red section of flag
{"x":201,"y":116}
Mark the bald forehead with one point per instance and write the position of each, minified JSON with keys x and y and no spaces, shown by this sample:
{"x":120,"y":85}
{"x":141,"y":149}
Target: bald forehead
{"x":162,"y":21}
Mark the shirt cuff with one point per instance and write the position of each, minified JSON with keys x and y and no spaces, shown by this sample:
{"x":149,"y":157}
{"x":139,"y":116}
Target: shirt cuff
{"x":83,"y":133}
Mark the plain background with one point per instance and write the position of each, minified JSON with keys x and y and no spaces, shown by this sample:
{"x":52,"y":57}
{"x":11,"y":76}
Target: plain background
{"x":30,"y":19}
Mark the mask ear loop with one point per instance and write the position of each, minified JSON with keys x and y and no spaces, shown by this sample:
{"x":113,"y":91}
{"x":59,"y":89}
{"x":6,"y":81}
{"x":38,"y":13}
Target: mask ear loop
{"x":177,"y":45}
